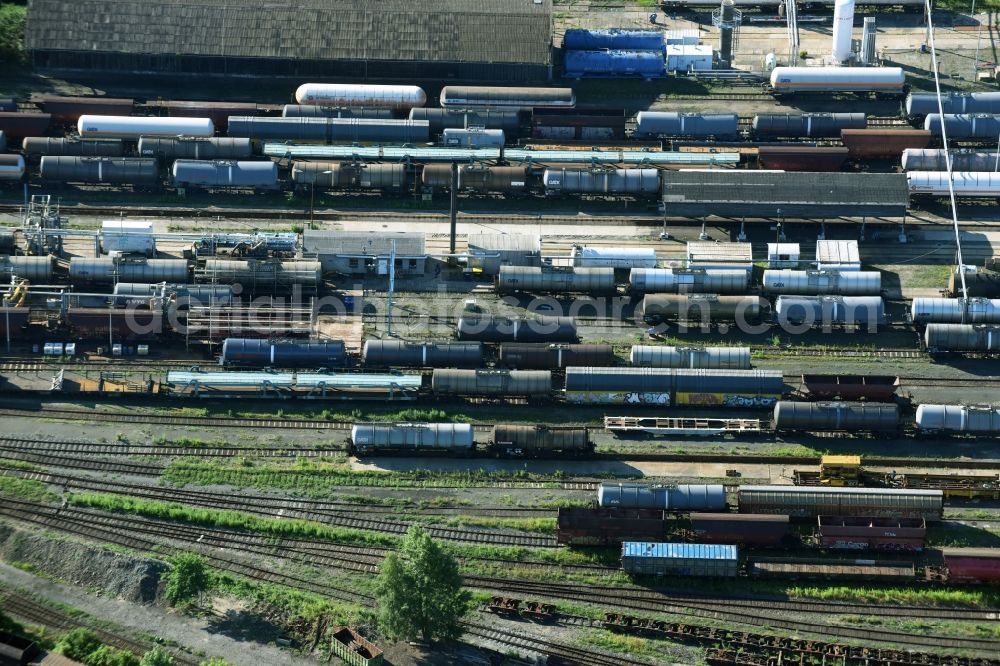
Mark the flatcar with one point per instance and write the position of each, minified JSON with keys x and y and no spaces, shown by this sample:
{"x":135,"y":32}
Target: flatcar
{"x":832,"y":570}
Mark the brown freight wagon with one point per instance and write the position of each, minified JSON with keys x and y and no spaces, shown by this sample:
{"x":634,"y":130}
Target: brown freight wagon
{"x":578,"y":125}
{"x":13,"y":322}
{"x":67,"y":110}
{"x":541,"y":356}
{"x":123,"y":324}
{"x":856,"y":533}
{"x":880,"y":388}
{"x":867,"y":144}
{"x":608,"y":526}
{"x":744,"y":529}
{"x":19,"y":125}
{"x":219,"y":112}
{"x":802,"y":158}
{"x":354,"y":648}
{"x":867,"y":570}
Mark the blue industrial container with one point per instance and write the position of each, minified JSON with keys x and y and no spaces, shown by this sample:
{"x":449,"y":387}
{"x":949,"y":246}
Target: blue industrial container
{"x":614,"y":38}
{"x":680,"y":559}
{"x":647,"y":64}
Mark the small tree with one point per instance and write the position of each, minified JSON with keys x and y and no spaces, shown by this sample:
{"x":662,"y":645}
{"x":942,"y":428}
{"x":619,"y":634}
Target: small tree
{"x":420,"y":590}
{"x":78,"y":643}
{"x":109,"y":656}
{"x":186,"y":579}
{"x":157,"y":657}
{"x":12,"y":21}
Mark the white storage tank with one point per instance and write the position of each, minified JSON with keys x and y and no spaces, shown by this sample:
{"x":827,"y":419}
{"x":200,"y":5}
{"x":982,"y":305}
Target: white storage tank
{"x":889,"y":80}
{"x":364,"y":95}
{"x":133,"y":127}
{"x":128,"y":237}
{"x":711,"y":358}
{"x":843,"y":29}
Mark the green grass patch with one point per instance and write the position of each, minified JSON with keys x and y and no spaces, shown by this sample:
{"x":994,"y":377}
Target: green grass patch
{"x":925,"y":627}
{"x":900,"y":595}
{"x":26,"y":489}
{"x":295,"y":528}
{"x":630,"y":645}
{"x":20,"y":464}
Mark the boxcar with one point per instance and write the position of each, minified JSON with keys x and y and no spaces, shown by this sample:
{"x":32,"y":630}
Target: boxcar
{"x":740,"y":528}
{"x":806,"y":501}
{"x":610,"y":526}
{"x":680,"y":559}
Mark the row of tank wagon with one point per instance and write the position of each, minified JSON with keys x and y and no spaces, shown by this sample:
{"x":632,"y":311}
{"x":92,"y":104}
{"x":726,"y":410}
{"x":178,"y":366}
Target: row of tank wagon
{"x":614,"y":525}
{"x":458,"y":439}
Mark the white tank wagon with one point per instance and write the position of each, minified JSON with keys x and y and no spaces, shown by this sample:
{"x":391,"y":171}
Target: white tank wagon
{"x":37,"y":270}
{"x":817,"y":283}
{"x":966,"y":184}
{"x":955,"y":310}
{"x":922,"y":104}
{"x":690,"y":281}
{"x":882,"y":80}
{"x":601,"y":181}
{"x":109,"y":270}
{"x":225,"y":173}
{"x":954,"y":419}
{"x":933,"y":159}
{"x":473,"y":137}
{"x":412,"y":437}
{"x":11,"y":167}
{"x":653,"y":124}
{"x":685,"y":497}
{"x":507,"y":97}
{"x":534,"y":279}
{"x":133,"y":127}
{"x":356,"y":94}
{"x":961,"y":337}
{"x":714,"y":358}
{"x":962,"y":126}
{"x":818,"y":311}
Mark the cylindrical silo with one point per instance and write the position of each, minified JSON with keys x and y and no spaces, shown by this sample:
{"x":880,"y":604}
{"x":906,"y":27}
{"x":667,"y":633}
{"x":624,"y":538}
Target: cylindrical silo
{"x":843,"y":29}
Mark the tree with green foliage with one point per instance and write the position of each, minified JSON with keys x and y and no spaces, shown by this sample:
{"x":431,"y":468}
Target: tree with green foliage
{"x":78,"y":643}
{"x":215,"y":661}
{"x":187,"y":579}
{"x":12,"y":20}
{"x":420,"y":590}
{"x":109,"y":656}
{"x":157,"y":657}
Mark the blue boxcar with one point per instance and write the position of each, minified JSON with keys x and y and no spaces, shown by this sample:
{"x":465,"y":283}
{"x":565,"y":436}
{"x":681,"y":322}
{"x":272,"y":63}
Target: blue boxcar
{"x":614,"y":38}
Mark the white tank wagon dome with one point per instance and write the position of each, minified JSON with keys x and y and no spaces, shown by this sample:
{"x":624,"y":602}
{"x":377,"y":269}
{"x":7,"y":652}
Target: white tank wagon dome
{"x":133,"y":127}
{"x":358,"y":94}
{"x":968,"y":184}
{"x":977,"y":419}
{"x":838,"y":79}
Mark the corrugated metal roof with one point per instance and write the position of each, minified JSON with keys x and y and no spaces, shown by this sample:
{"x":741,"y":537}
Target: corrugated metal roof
{"x":408,"y":243}
{"x":501,"y":31}
{"x":689,"y":551}
{"x":424,"y":154}
{"x":505,"y":242}
{"x":838,"y":251}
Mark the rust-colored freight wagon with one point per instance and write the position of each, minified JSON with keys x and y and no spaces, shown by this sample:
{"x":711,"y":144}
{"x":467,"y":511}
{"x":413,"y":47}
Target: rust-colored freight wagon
{"x":802,"y":158}
{"x":880,"y":388}
{"x":19,"y":125}
{"x":67,"y":110}
{"x":972,"y":565}
{"x":867,"y":144}
{"x":740,"y":528}
{"x":578,"y":125}
{"x":354,"y":648}
{"x":123,"y":324}
{"x":13,"y":322}
{"x":867,"y":570}
{"x":858,"y":533}
{"x":610,"y":526}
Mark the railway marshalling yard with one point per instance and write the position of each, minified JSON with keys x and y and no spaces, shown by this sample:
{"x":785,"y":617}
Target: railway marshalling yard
{"x":106,"y":472}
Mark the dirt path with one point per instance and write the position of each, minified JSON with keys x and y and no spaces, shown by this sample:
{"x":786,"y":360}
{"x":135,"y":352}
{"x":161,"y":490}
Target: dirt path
{"x":197,"y":634}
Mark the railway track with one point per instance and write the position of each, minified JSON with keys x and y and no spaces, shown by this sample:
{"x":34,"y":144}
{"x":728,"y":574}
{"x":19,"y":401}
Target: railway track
{"x":26,"y":609}
{"x":108,"y":528}
{"x":558,"y":653}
